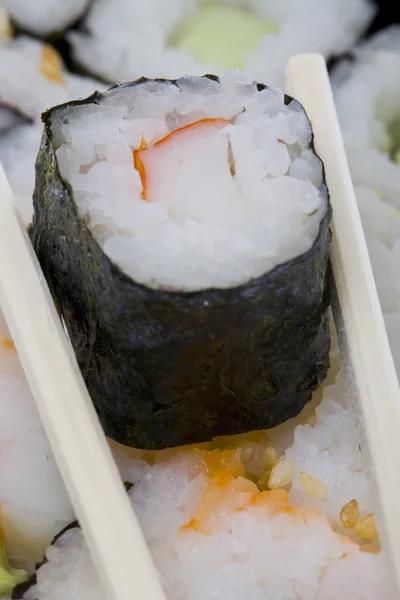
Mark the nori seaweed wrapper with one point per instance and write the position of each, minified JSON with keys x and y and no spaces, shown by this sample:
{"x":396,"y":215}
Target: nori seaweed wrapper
{"x":167,"y":368}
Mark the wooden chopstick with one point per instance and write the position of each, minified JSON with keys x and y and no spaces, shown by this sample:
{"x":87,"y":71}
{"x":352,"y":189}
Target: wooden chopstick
{"x":105,"y":514}
{"x":356,"y":306}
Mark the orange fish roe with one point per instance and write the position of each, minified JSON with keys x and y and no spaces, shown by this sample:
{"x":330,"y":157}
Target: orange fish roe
{"x":275,"y":500}
{"x":199,"y":459}
{"x":224,"y":494}
{"x":212,"y":462}
{"x":228,"y":460}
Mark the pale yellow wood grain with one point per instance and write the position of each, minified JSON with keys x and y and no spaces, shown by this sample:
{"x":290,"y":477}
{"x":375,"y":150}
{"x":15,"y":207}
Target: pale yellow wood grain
{"x":356,"y":306}
{"x":97,"y":493}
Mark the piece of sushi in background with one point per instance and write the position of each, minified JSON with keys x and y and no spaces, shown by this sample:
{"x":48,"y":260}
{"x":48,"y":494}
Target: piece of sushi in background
{"x":295,"y":500}
{"x":34,"y":503}
{"x":32,"y":77}
{"x":122,"y":39}
{"x":183,"y":228}
{"x":44,"y":18}
{"x":367,"y":96}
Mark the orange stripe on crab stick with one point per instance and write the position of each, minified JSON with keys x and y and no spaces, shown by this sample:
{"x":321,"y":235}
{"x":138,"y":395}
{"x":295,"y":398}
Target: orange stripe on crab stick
{"x":139,"y":166}
{"x":218,"y":123}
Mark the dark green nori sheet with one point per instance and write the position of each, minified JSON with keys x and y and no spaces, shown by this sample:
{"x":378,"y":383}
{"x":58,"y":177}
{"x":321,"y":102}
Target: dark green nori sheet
{"x":169,"y":368}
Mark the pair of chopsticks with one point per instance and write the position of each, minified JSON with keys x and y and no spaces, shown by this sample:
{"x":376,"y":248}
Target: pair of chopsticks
{"x":105,"y":514}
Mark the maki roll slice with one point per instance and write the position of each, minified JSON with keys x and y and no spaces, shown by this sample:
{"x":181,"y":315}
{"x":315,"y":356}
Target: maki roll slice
{"x":119,"y":40}
{"x":29,"y":64}
{"x":372,"y":141}
{"x":198,"y":506}
{"x":183,"y":229}
{"x":45,"y":18}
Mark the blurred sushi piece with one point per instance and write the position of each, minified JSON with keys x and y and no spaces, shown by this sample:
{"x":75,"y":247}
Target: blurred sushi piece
{"x":45,"y":17}
{"x":122,"y":39}
{"x":34,"y":505}
{"x":183,"y":228}
{"x":32,"y":78}
{"x":367,"y":95}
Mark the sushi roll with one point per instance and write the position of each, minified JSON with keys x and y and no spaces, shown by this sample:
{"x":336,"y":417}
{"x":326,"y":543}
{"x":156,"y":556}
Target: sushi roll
{"x":44,"y":18}
{"x":28,"y":64}
{"x":371,"y":129}
{"x":303,"y":489}
{"x":183,"y":228}
{"x":122,"y":39}
{"x":32,"y":78}
{"x":287,"y":513}
{"x":34,"y":505}
{"x":371,"y":133}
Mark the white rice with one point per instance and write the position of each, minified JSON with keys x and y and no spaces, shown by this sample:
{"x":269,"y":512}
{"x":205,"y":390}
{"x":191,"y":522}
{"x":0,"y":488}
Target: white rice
{"x":250,"y":553}
{"x":201,"y":226}
{"x":26,"y":90}
{"x":237,"y":548}
{"x":32,"y":78}
{"x":43,"y":17}
{"x":34,"y":504}
{"x":129,"y":38}
{"x":367,"y":95}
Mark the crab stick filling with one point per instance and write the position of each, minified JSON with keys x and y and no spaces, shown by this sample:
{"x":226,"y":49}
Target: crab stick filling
{"x":189,"y":170}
